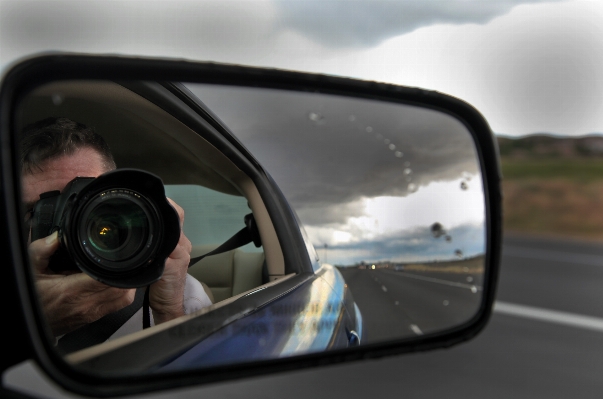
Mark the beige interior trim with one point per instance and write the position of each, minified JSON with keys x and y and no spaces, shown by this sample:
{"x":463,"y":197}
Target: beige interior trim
{"x":275,"y":261}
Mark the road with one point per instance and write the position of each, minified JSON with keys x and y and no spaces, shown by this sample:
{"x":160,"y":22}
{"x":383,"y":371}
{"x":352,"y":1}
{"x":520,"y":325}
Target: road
{"x":516,"y":356}
{"x":400,"y":304}
{"x":544,"y":340}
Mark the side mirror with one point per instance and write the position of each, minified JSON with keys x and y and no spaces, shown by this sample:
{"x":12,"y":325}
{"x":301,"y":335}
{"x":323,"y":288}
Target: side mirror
{"x":377,"y":212}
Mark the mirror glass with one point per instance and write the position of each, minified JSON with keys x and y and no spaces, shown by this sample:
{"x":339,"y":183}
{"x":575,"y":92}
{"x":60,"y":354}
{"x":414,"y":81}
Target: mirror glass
{"x":389,"y":197}
{"x":390,"y":194}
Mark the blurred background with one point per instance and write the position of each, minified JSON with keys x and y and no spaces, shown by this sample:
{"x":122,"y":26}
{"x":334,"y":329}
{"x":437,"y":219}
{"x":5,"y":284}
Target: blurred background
{"x":553,"y":185}
{"x":533,"y":68}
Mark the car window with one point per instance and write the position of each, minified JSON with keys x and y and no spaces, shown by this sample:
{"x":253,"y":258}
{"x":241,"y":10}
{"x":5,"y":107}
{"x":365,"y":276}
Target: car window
{"x":211,"y":217}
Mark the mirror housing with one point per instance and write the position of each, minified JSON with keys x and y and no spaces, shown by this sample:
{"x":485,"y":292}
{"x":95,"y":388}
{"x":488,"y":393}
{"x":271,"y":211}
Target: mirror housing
{"x":28,"y":332}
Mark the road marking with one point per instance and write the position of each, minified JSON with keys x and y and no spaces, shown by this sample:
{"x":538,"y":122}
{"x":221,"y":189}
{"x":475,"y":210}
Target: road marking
{"x":555,"y":256}
{"x":416,"y":329}
{"x":384,"y":288}
{"x":552,"y":316}
{"x":471,"y":287}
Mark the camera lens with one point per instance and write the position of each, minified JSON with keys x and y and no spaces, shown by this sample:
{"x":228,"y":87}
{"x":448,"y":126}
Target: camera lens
{"x":108,"y":235}
{"x":117,"y":228}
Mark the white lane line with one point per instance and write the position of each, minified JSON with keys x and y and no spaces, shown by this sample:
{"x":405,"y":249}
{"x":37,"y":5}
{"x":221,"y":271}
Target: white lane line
{"x":384,"y":288}
{"x":471,"y":287}
{"x":416,"y":329}
{"x":555,"y":256}
{"x":552,"y":316}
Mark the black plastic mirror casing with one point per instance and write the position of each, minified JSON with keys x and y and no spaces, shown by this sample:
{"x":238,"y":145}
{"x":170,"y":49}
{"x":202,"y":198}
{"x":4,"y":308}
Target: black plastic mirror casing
{"x":27,"y":332}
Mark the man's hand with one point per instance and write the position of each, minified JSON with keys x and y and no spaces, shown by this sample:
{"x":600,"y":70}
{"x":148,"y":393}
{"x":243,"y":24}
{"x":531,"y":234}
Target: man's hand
{"x":166,"y":295}
{"x":72,"y":300}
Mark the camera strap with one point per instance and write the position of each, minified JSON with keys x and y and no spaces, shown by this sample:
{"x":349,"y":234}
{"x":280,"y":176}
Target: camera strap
{"x":244,"y":236}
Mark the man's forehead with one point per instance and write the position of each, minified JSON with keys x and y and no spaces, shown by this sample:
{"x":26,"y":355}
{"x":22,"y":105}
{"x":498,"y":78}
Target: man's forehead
{"x":55,"y":173}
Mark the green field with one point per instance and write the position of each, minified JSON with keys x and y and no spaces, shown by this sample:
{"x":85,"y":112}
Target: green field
{"x":587,"y":170}
{"x":554,"y":196}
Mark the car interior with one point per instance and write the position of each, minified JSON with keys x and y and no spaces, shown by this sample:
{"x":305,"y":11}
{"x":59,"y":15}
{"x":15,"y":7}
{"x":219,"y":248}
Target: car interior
{"x":213,"y":191}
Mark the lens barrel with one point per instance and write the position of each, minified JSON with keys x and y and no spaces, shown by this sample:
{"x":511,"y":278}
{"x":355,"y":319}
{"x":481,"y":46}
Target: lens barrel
{"x":115,"y":229}
{"x":120,"y":228}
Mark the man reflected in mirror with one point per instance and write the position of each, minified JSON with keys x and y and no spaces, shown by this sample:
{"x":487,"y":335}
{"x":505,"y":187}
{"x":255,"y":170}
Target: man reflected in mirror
{"x":53,"y":152}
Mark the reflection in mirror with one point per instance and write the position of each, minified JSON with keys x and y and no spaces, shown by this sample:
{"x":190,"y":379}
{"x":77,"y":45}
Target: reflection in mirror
{"x":390,"y":194}
{"x":391,"y":197}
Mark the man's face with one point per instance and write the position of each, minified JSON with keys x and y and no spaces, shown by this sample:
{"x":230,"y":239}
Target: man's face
{"x":57,"y":172}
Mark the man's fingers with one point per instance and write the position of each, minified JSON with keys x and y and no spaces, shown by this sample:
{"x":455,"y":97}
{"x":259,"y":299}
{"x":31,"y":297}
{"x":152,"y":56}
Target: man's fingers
{"x":179,"y":210}
{"x":41,"y":250}
{"x":183,"y":248}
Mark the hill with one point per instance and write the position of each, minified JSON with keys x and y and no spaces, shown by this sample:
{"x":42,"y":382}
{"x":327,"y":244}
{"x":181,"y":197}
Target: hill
{"x":548,"y":146}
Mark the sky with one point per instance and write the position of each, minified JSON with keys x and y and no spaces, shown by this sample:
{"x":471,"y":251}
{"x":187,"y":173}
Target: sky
{"x":368,"y":179}
{"x":528,"y":66}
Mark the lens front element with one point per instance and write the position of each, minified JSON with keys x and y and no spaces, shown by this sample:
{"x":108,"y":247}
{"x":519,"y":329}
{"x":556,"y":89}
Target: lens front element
{"x":117,"y":228}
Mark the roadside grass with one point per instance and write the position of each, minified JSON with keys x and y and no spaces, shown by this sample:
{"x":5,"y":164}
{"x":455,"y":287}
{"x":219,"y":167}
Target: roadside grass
{"x":585,"y":170}
{"x":562,"y":197}
{"x":466,"y":266}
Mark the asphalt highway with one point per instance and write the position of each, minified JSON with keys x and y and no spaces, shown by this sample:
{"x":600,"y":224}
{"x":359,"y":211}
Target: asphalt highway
{"x":397,"y":304}
{"x":544,"y":340}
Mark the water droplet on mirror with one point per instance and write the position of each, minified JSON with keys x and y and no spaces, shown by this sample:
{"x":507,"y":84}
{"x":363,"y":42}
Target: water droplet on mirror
{"x":464,"y":185}
{"x":469,"y":279}
{"x":437,"y":230}
{"x":448,"y":238}
{"x":392,"y":147}
{"x":57,"y":98}
{"x":407,"y":171}
{"x":458,"y":253}
{"x":412,"y":187}
{"x":446,"y":302}
{"x":316,"y":118}
{"x":396,"y":303}
{"x":466,"y":176}
{"x":474,"y":289}
{"x":398,"y":154}
{"x":369,"y":129}
{"x":352,"y":118}
{"x":466,"y":269}
{"x":386,"y":141}
{"x":407,"y":164}
{"x":408,"y":178}
{"x":379,"y":136}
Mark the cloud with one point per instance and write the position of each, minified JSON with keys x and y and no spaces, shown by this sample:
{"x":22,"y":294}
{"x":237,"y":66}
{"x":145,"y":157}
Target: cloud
{"x":413,"y":245}
{"x":337,"y":24}
{"x":327,"y":153}
{"x":532,"y":70}
{"x":203,"y":30}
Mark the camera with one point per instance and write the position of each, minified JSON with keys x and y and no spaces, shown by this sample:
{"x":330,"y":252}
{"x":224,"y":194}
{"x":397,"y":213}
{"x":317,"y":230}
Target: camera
{"x":118,"y":228}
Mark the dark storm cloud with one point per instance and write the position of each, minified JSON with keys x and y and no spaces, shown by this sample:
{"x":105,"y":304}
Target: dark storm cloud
{"x":368,"y":23}
{"x":326,"y":152}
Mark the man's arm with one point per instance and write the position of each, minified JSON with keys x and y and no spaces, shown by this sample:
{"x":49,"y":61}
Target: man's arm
{"x":73,"y":300}
{"x":166,"y":295}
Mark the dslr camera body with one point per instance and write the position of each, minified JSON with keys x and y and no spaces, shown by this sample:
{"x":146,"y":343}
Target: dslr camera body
{"x":118,"y":228}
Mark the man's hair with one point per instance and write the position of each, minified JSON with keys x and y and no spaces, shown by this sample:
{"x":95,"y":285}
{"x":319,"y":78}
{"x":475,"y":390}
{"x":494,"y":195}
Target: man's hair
{"x":55,"y":137}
